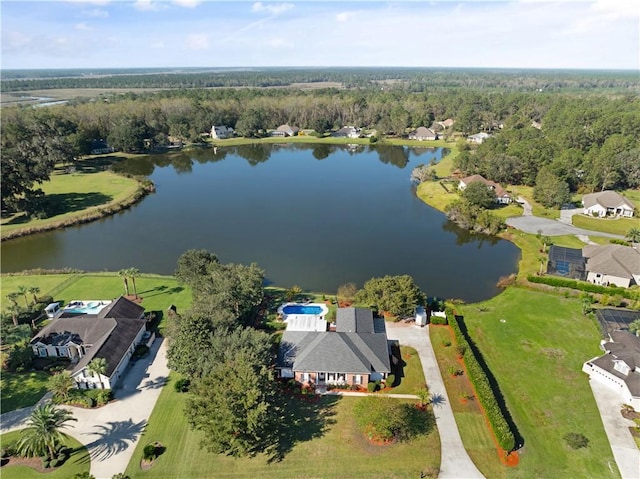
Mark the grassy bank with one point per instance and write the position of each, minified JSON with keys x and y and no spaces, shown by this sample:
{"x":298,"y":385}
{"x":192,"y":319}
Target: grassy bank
{"x":619,"y":226}
{"x":325,"y":443}
{"x":85,"y":195}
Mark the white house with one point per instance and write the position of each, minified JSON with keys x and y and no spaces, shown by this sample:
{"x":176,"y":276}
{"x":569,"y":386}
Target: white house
{"x":112,"y":334}
{"x":221,"y":132}
{"x":347,"y":132}
{"x":619,"y":367}
{"x":607,"y":203}
{"x":423,"y":134}
{"x":285,"y":130}
{"x":502,"y":197}
{"x":612,"y":264}
{"x":478,"y":137}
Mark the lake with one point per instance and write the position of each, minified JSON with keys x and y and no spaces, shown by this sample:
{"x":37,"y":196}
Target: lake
{"x":316,"y":216}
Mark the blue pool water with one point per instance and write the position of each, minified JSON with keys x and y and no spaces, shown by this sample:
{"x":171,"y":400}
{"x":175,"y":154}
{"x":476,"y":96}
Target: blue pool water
{"x":301,"y":309}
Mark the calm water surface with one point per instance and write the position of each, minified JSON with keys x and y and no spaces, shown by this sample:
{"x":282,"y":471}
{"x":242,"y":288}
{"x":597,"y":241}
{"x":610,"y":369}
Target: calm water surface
{"x":313,"y":216}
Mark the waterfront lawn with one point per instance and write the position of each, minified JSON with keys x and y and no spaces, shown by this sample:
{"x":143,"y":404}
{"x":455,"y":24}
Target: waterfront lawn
{"x":433,"y":193}
{"x":21,"y":389}
{"x":535,"y":344}
{"x":619,"y":226}
{"x":538,"y":210}
{"x":48,"y":284}
{"x":326,"y":443}
{"x":77,"y":463}
{"x":75,"y":194}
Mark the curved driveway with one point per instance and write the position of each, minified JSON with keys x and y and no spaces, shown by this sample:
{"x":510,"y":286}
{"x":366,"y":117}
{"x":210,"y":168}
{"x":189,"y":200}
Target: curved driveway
{"x":455,"y":463}
{"x":535,"y":224}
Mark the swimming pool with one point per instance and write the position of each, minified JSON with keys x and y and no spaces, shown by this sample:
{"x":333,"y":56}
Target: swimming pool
{"x":85,"y":307}
{"x":302,"y":309}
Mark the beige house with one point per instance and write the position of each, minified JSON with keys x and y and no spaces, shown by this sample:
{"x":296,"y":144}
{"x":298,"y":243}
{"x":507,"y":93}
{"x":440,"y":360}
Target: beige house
{"x":612,"y":264}
{"x":478,"y":137}
{"x":284,"y":131}
{"x":619,"y":367}
{"x":607,"y":203}
{"x":423,"y":134}
{"x":502,"y":196}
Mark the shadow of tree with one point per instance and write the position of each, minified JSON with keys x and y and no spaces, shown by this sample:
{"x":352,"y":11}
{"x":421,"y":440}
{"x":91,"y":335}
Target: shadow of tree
{"x":114,"y":437}
{"x":300,"y":420}
{"x":437,"y":400}
{"x":397,"y":363}
{"x":59,"y":203}
{"x":161,"y":290}
{"x":155,"y":384}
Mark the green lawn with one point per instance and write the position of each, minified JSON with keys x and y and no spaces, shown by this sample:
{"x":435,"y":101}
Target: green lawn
{"x":412,"y":378}
{"x":76,"y":194}
{"x":325,"y":444}
{"x":21,"y":389}
{"x":535,"y":344}
{"x":77,"y":463}
{"x":538,"y":209}
{"x":619,"y":226}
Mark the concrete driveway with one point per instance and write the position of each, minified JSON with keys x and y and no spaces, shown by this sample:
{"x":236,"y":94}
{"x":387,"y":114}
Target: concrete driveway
{"x":455,"y":463}
{"x":547,"y":227}
{"x":111,"y":432}
{"x":623,"y":446}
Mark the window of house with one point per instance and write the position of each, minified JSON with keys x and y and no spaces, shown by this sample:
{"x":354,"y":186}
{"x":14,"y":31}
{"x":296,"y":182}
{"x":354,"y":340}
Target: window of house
{"x":357,"y":379}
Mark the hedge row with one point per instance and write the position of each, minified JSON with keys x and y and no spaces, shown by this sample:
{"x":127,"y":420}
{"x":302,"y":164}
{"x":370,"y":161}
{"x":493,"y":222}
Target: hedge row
{"x":486,"y":394}
{"x":583,"y":286}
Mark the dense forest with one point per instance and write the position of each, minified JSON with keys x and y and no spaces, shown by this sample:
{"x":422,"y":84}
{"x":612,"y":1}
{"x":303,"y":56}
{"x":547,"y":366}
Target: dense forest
{"x":407,"y":79}
{"x":568,"y":141}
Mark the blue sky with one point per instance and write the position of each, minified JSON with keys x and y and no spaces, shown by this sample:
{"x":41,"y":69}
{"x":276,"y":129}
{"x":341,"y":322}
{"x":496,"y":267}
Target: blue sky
{"x":595,"y":34}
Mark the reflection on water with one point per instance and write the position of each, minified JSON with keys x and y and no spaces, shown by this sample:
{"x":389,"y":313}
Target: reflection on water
{"x":317,"y":224}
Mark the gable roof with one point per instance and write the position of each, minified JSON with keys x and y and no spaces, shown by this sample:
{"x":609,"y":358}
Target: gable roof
{"x":290,"y":130}
{"x":423,"y":132}
{"x":358,"y":346}
{"x":607,"y":199}
{"x":122,"y":308}
{"x":612,"y":259}
{"x":624,"y":347}
{"x":499,"y":190}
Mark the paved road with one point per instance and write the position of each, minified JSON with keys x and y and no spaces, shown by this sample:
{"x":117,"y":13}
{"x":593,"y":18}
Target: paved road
{"x":111,"y":432}
{"x":455,"y":463}
{"x":624,"y":449}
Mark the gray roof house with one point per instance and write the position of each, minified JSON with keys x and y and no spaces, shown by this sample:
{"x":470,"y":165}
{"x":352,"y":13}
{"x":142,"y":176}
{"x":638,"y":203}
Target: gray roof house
{"x":355,"y":353}
{"x":347,"y":132}
{"x":423,"y":134}
{"x":612,"y":264}
{"x":607,"y":203}
{"x":112,"y":334}
{"x":619,"y":367}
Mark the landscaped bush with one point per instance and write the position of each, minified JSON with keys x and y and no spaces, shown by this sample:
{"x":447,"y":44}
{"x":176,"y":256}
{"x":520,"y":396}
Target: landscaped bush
{"x":391,"y":379}
{"x":182,"y":385}
{"x":371,"y":387}
{"x":438,"y":320}
{"x":583,"y":286}
{"x":496,"y":415}
{"x":149,"y":452}
{"x":100,"y":397}
{"x":575,"y":440}
{"x":386,"y":419}
{"x":141,"y":351}
{"x":446,"y":343}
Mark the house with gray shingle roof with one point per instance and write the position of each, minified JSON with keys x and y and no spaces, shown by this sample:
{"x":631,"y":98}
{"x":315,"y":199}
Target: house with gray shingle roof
{"x":355,"y":353}
{"x":607,"y":203}
{"x":612,"y":264}
{"x":619,"y":367}
{"x":285,"y":130}
{"x":423,"y":134}
{"x":112,"y":334}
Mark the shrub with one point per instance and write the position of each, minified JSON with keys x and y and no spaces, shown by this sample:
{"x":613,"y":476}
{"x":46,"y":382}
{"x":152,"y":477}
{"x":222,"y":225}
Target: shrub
{"x":371,"y":387}
{"x":487,"y":396}
{"x":391,"y":379}
{"x":387,"y":419}
{"x":575,"y":440}
{"x":141,"y":351}
{"x":149,"y":452}
{"x":583,"y":286}
{"x":56,"y":462}
{"x":446,"y":343}
{"x":438,"y":320}
{"x":45,"y":462}
{"x":182,"y":385}
{"x":460,"y":350}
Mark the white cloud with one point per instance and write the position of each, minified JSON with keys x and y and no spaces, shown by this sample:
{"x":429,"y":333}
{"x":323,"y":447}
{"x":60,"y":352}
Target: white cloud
{"x":92,"y":2}
{"x":198,"y":41}
{"x":83,"y":27}
{"x":187,"y":3}
{"x":148,"y":6}
{"x":272,"y":8}
{"x":343,"y":16}
{"x":158,"y":44}
{"x":96,"y":13}
{"x":280,"y":43}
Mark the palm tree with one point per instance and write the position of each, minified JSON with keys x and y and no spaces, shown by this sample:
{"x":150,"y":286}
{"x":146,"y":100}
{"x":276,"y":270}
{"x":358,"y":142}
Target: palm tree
{"x":60,"y":384}
{"x":133,"y":274}
{"x":42,"y":435}
{"x":34,"y":290}
{"x":23,"y":291}
{"x":123,"y":273}
{"x":633,"y":235}
{"x":13,"y":308}
{"x":98,"y":366}
{"x":423,"y":396}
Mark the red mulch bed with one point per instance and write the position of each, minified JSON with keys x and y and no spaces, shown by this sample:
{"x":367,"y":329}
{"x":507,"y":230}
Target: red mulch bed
{"x":375,"y":440}
{"x":135,"y":299}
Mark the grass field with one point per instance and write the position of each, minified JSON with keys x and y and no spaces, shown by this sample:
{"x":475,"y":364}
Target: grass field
{"x":413,"y":375}
{"x":77,"y":463}
{"x":75,"y":194}
{"x":535,"y":345}
{"x":21,"y":389}
{"x":325,"y":444}
{"x":620,"y":226}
